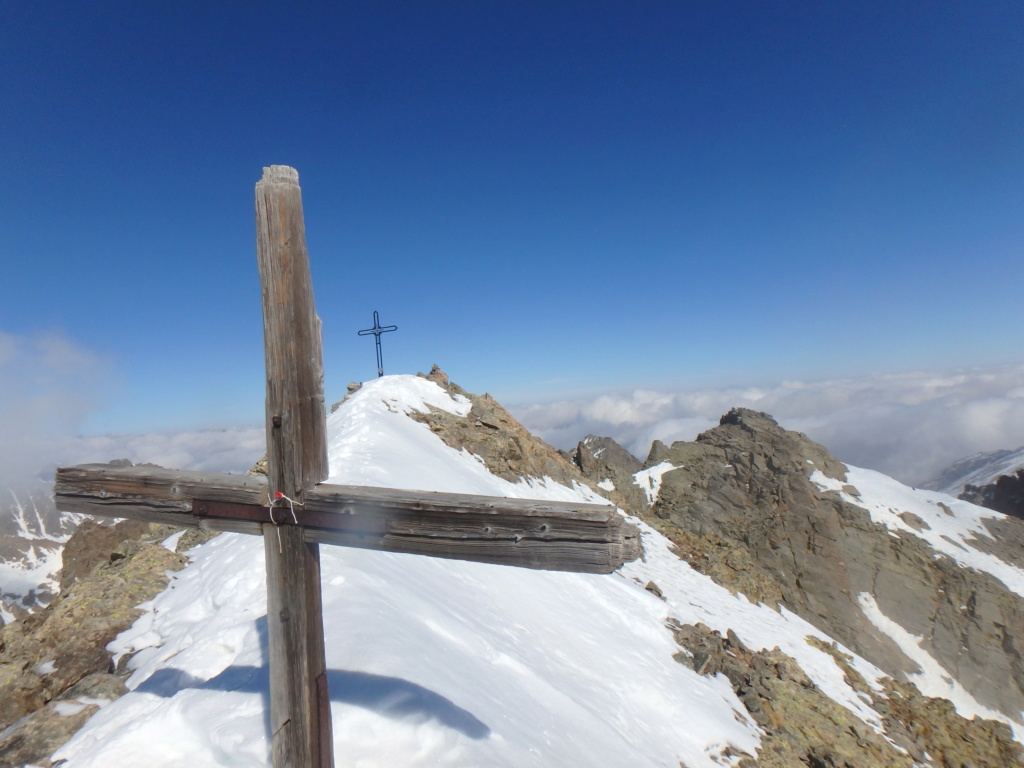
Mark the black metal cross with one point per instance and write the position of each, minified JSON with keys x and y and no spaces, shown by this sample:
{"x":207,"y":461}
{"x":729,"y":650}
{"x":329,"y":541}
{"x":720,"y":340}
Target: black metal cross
{"x":377,"y":330}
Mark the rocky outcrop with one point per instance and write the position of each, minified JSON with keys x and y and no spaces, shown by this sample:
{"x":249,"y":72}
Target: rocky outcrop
{"x":742,"y":509}
{"x":54,"y":666}
{"x":94,"y":543}
{"x":490,"y":432}
{"x":803,"y":727}
{"x":597,"y":452}
{"x":929,"y":728}
{"x":1005,"y":495}
{"x":611,"y":467}
{"x":31,"y":740}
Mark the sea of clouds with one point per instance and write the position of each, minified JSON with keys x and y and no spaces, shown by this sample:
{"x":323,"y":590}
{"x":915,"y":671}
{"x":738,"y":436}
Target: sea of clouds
{"x":49,"y":383}
{"x":907,"y":425}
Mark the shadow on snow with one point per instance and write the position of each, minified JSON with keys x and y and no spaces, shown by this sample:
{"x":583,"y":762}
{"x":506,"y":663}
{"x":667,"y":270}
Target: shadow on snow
{"x":390,"y":697}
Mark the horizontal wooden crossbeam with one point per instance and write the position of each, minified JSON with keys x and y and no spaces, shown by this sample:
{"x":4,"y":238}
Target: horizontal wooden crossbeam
{"x":546,"y":535}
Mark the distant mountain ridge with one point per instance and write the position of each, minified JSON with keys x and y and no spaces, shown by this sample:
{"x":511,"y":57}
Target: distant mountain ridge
{"x":978,"y":470}
{"x":776,"y":516}
{"x":789,"y":610}
{"x":992,"y":480}
{"x":32,"y":534}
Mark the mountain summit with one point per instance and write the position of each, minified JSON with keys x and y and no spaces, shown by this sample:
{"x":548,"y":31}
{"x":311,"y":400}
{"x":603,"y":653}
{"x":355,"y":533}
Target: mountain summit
{"x":788,"y":611}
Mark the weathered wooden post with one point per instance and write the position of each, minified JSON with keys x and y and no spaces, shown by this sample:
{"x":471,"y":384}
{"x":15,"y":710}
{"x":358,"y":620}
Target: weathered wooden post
{"x":297,"y":457}
{"x":529,"y":533}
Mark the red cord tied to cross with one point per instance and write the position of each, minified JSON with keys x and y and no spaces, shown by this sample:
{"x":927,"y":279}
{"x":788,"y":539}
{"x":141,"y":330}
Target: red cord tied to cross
{"x":291,"y":507}
{"x":278,"y":496}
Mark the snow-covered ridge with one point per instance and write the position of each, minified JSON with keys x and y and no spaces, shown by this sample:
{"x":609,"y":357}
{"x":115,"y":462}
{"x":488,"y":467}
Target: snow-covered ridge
{"x":979,"y":469}
{"x":372,"y":442}
{"x":30,"y":550}
{"x":949,"y":525}
{"x":440,"y":662}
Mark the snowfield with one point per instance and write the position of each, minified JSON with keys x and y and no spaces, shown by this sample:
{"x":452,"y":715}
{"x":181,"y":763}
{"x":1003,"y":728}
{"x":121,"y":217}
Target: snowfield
{"x":38,"y":566}
{"x":949,"y":526}
{"x":439,"y":662}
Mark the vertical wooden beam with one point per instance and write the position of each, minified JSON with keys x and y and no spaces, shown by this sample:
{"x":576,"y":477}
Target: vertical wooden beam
{"x":296,"y":422}
{"x":297,"y":458}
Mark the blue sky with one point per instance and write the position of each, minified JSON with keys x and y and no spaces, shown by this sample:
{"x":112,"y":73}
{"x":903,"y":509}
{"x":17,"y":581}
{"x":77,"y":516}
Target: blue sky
{"x":550,"y":199}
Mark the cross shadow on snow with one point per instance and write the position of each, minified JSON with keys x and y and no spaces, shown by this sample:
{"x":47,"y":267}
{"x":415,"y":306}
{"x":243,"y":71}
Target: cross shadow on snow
{"x":390,"y":697}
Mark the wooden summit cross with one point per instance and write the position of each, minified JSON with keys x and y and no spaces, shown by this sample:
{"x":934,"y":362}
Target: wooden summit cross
{"x":295,"y":510}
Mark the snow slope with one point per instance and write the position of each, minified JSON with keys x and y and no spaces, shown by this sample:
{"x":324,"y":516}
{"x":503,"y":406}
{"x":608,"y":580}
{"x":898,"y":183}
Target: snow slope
{"x":950,"y":526}
{"x":440,"y":662}
{"x":30,"y":550}
{"x":979,"y":469}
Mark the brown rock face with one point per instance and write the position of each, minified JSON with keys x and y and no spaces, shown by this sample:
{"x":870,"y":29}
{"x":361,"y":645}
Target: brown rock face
{"x":801,"y":725}
{"x":601,"y":460}
{"x":32,"y":740}
{"x":743,"y":505}
{"x":45,"y":654}
{"x":1005,"y":495}
{"x":92,"y":544}
{"x":504,"y":445}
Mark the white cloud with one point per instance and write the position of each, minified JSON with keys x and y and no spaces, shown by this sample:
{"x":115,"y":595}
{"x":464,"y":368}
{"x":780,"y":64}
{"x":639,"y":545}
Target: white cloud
{"x":907,"y":425}
{"x":48,"y":383}
{"x":233,"y":449}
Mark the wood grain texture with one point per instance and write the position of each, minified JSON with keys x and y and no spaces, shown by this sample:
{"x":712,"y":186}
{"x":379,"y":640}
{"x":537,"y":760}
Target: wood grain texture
{"x":297,"y":460}
{"x":296,"y":417}
{"x":527,"y":533}
{"x":296,"y":649}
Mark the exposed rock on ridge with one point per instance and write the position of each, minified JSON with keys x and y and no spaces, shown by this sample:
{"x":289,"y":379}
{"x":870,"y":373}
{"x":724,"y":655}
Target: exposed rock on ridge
{"x":743,"y":509}
{"x":52,"y":659}
{"x":611,"y":468}
{"x":803,"y":726}
{"x":489,"y":431}
{"x":1005,"y":495}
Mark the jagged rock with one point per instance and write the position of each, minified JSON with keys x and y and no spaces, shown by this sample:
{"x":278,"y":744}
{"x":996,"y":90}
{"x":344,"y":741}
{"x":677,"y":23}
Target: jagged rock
{"x":1005,"y":495}
{"x":742,"y":509}
{"x":261,"y":467}
{"x":437,"y":375}
{"x":609,"y":453}
{"x":928,"y":728}
{"x":1006,"y":542}
{"x":801,"y":725}
{"x":611,"y":467}
{"x":45,"y":654}
{"x":731,"y":566}
{"x":353,"y":386}
{"x":33,"y":738}
{"x":442,"y":379}
{"x":92,"y":544}
{"x":657,"y":453}
{"x":932,"y":729}
{"x":502,"y":443}
{"x":193,"y":537}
